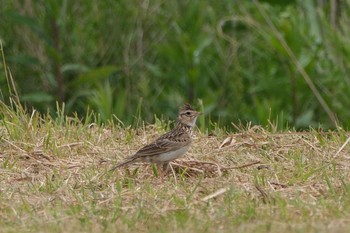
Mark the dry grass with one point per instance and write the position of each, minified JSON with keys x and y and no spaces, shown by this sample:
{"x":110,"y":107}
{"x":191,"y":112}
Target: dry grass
{"x":54,"y":178}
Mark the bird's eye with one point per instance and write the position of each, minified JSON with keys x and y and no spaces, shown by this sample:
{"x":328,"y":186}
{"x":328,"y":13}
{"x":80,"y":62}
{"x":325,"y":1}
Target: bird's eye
{"x":188,"y":113}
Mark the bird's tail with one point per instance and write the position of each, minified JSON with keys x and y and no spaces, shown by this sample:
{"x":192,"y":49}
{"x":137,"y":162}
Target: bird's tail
{"x":126,"y":162}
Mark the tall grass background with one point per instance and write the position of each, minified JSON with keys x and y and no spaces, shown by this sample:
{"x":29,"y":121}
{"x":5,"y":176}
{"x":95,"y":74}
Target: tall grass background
{"x":285,"y":62}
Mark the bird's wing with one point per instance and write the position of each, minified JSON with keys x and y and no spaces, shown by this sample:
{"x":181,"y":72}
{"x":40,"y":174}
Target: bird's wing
{"x":162,"y":145}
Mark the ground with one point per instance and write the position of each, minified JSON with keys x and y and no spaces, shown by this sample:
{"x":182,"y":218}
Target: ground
{"x":54,"y":178}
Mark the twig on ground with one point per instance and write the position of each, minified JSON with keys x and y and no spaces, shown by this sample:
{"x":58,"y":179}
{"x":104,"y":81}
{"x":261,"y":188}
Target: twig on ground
{"x":342,"y":147}
{"x":215,"y":194}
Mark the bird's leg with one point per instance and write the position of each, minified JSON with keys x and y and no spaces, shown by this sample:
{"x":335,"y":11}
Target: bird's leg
{"x":165,"y":167}
{"x":162,"y":169}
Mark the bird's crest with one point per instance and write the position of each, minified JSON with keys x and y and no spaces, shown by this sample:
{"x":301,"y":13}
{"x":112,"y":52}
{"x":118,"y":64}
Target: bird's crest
{"x":186,"y":107}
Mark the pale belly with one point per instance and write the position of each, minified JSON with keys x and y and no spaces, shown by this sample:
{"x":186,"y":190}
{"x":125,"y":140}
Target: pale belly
{"x":171,"y":155}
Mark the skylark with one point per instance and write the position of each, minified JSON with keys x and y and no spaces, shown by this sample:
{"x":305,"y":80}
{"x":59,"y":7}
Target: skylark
{"x":170,"y":145}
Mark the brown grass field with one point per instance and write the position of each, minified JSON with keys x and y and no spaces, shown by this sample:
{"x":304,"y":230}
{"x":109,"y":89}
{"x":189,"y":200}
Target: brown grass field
{"x":54,"y":178}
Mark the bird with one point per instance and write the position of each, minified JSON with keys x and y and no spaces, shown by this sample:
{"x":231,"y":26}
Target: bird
{"x":169,"y":146}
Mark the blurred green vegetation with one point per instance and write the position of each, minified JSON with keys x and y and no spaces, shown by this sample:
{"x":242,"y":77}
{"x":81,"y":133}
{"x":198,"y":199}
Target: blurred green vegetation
{"x":280,"y":62}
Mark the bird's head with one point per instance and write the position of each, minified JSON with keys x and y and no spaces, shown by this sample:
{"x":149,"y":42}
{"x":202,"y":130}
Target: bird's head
{"x":188,"y":115}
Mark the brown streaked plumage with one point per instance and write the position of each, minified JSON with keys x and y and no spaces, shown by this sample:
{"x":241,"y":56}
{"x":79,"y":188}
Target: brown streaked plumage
{"x":170,"y":145}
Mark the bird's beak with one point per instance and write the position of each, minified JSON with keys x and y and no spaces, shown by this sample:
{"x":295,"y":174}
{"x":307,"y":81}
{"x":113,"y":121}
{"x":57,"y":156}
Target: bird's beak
{"x":199,"y":113}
